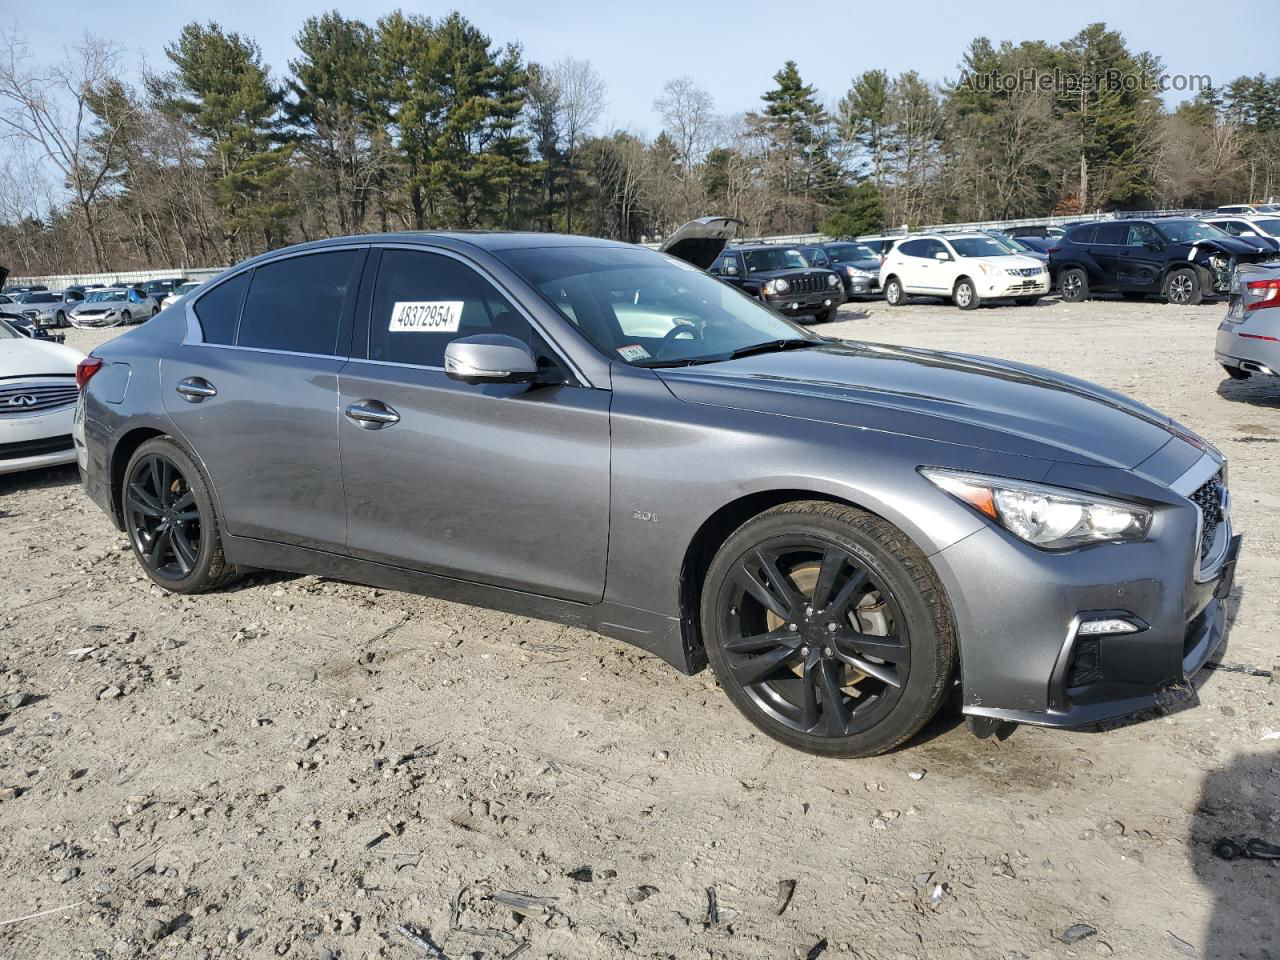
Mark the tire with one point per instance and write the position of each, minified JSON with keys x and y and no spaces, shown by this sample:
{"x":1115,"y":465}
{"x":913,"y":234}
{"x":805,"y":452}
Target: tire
{"x":1182,"y":287}
{"x":1027,"y":301}
{"x":826,"y":316}
{"x":171,"y":520}
{"x":965,"y":295}
{"x":775,"y":654}
{"x":60,"y":320}
{"x":894,"y":295}
{"x":1235,"y":373}
{"x":1073,"y":285}
{"x":126,"y":318}
{"x":154,"y":311}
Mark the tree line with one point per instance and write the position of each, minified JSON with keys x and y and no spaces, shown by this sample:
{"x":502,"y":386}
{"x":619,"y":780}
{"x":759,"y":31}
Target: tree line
{"x":420,"y":123}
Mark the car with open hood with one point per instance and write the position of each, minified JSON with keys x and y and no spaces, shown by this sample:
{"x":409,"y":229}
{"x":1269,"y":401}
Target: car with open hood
{"x":607,"y":436}
{"x":778,"y":275}
{"x":1177,"y":258}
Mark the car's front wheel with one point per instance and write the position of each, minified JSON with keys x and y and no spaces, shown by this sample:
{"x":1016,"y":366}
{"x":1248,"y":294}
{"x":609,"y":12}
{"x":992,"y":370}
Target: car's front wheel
{"x":1182,"y":287}
{"x":965,"y":294}
{"x":894,"y":295}
{"x":171,"y":521}
{"x":827,"y":627}
{"x":60,"y":320}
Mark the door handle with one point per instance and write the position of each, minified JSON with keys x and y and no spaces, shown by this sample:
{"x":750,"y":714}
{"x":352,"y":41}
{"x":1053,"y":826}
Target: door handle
{"x":195,"y":389}
{"x":372,"y":414}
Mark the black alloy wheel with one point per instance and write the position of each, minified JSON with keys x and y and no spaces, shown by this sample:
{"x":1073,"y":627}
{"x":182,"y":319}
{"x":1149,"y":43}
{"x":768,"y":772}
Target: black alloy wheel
{"x":163,"y":518}
{"x":1073,"y":285}
{"x":823,"y":632}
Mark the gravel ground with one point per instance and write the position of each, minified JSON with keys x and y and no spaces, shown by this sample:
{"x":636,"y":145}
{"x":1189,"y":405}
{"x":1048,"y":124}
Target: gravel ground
{"x":296,"y":766}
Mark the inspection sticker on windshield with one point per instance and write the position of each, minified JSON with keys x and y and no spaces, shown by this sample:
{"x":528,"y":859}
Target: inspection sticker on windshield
{"x":633,"y":352}
{"x":426,"y":316}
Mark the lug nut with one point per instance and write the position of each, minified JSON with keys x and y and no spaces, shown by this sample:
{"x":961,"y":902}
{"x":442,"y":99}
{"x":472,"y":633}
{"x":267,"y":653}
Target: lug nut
{"x":792,"y":627}
{"x":808,"y":611}
{"x":832,"y":628}
{"x":826,"y":651}
{"x":804,"y":651}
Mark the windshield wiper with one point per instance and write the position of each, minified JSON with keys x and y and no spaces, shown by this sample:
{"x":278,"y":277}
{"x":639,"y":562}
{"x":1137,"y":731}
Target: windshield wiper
{"x":772,"y":346}
{"x":683,"y":362}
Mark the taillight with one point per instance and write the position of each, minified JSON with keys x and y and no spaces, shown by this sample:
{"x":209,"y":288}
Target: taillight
{"x":85,"y":370}
{"x":1267,"y":292}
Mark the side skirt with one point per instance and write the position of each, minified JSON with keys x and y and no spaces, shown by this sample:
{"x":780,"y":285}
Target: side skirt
{"x":650,"y":631}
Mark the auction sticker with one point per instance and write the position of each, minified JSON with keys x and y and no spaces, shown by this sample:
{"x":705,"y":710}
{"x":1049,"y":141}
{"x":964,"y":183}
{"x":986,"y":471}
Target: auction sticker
{"x":633,"y":352}
{"x":426,"y":316}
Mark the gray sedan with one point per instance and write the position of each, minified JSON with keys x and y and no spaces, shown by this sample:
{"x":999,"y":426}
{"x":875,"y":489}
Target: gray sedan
{"x":606,"y":436}
{"x":1249,"y":336}
{"x":113,"y":307}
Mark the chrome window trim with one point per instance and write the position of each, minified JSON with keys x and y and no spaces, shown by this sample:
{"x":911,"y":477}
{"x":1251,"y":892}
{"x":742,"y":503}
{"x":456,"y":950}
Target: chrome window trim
{"x":493,"y":281}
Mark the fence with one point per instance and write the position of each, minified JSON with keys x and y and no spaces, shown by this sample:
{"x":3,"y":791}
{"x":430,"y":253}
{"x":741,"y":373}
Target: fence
{"x":60,"y":281}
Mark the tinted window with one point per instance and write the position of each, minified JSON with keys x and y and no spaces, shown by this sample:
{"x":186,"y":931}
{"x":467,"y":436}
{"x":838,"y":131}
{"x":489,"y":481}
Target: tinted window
{"x":1112,"y":233}
{"x":1142,"y":233}
{"x":218,"y":310}
{"x":914,"y":248}
{"x":1083,"y":233}
{"x":424,"y":301}
{"x":727,"y":264}
{"x":816,"y":257}
{"x":296,"y":304}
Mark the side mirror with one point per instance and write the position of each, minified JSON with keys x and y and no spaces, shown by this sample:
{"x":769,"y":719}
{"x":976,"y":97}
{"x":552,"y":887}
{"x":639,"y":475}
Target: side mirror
{"x":1154,"y":245}
{"x":490,"y":358}
{"x":942,"y":255}
{"x":1247,"y":233}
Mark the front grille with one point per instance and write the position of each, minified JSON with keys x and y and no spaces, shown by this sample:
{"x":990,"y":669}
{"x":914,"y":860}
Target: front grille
{"x":807,"y":285}
{"x":20,"y":398}
{"x":35,"y":448}
{"x":1025,"y":271}
{"x":1210,"y":498}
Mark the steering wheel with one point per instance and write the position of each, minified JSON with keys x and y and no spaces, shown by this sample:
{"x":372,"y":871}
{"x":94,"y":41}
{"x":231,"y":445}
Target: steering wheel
{"x":689,"y":328}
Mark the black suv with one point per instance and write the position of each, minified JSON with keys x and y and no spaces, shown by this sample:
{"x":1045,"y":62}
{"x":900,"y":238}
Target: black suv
{"x":1181,"y":259}
{"x":857,"y":265}
{"x":781,"y":277}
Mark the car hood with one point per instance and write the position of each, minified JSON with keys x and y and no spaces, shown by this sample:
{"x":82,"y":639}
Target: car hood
{"x":701,"y":241}
{"x":1015,"y":261}
{"x":29,"y":358}
{"x":1232,"y":246}
{"x":954,"y":398}
{"x":870,"y":266}
{"x":98,"y":305}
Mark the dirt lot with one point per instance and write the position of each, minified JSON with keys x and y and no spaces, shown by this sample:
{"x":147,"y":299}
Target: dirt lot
{"x":294,"y":767}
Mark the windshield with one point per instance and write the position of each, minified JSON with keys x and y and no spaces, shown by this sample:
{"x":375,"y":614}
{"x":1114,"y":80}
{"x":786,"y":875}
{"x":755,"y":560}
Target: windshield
{"x":1270,"y":227}
{"x":1189,"y":231}
{"x":99,"y":296}
{"x":37,"y":298}
{"x":980,"y":247}
{"x":849,"y":252}
{"x":8,"y":333}
{"x":186,"y":287}
{"x":647,"y":308}
{"x":773,"y":258}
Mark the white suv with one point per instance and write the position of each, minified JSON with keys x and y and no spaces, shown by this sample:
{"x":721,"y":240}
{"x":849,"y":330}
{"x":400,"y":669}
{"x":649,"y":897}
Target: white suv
{"x":965,"y":267}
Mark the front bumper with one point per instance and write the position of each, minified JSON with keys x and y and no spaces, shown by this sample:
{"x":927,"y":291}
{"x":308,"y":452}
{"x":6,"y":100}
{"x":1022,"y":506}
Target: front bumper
{"x":805,"y":304}
{"x":1036,"y":286}
{"x":860,"y":286}
{"x":39,"y":440}
{"x":1019,"y":610}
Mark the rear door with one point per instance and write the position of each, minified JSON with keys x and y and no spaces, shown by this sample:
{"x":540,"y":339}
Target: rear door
{"x":256,"y":396}
{"x":505,"y":484}
{"x":1105,"y":250}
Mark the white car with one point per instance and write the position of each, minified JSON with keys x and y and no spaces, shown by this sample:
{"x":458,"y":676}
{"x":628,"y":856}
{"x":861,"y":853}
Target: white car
{"x":1254,"y":227}
{"x":38,"y":394}
{"x":965,"y":268}
{"x":178,"y":292}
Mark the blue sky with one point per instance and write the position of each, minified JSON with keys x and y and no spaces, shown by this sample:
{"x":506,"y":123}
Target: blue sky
{"x":731,"y":49}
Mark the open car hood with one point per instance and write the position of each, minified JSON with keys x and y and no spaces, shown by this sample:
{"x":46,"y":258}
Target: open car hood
{"x":700,"y":241}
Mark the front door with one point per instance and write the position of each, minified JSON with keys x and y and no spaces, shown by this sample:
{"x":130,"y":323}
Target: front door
{"x":257,"y":399}
{"x":494,"y":483}
{"x":1142,"y":259}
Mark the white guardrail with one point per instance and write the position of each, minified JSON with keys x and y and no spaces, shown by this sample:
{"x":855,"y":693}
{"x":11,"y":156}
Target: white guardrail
{"x":61,"y":281}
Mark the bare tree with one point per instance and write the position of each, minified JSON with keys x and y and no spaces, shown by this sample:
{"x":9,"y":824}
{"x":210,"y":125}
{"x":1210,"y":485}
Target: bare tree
{"x":48,"y":108}
{"x":688,"y":118}
{"x":582,"y":101}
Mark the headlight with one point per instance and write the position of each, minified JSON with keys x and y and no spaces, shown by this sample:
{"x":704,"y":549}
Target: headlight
{"x":833,"y":281}
{"x":776,"y":286}
{"x":1044,"y":516}
{"x":859,"y":274}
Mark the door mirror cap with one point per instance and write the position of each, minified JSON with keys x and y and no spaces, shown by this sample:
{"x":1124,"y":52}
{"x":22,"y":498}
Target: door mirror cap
{"x":490,"y":358}
{"x":942,"y":255}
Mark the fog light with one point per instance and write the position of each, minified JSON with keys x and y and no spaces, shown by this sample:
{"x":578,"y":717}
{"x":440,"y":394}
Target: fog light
{"x":1102,"y":628}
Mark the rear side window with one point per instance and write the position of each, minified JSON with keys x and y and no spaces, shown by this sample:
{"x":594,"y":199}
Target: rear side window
{"x":914,"y":248}
{"x":219,"y":309}
{"x":1113,"y":233}
{"x":423,"y":301}
{"x":1083,"y":234}
{"x":295,"y":304}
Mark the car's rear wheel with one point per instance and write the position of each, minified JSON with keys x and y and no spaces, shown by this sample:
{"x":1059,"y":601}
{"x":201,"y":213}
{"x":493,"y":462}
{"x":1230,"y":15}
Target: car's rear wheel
{"x":828,"y":628}
{"x":965,"y":294}
{"x":1182,"y":287}
{"x":171,"y":521}
{"x":1073,"y":285}
{"x":894,"y":295}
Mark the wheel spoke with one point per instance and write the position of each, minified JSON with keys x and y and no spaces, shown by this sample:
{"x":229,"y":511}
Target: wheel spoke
{"x":852,"y":643}
{"x":762,"y":641}
{"x":833,"y":562}
{"x":183,"y":550}
{"x":143,"y":502}
{"x":835,"y":716}
{"x":848,"y":593}
{"x":755,"y":669}
{"x":771,"y":590}
{"x":881,"y":671}
{"x":157,"y":481}
{"x":185,"y":507}
{"x":810,"y":712}
{"x":154,"y":549}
